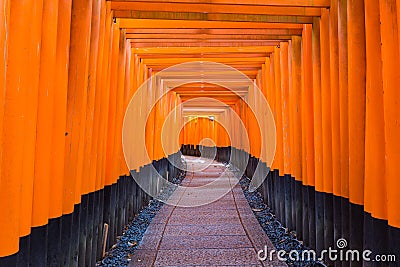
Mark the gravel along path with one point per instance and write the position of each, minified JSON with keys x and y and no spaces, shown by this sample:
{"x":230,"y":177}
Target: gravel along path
{"x":281,"y":237}
{"x":198,"y":231}
{"x":120,"y":253}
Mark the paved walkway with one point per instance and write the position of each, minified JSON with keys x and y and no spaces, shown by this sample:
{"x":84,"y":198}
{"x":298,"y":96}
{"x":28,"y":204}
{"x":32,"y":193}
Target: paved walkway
{"x":222,"y":233}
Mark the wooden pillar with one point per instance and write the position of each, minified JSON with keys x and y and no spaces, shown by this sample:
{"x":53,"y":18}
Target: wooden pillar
{"x":325,"y":103}
{"x":287,"y":161}
{"x":106,"y":81}
{"x":375,"y":182}
{"x":307,"y":108}
{"x":271,"y":101}
{"x":334,"y":96}
{"x":152,"y":90}
{"x":343,"y":114}
{"x":297,"y":107}
{"x":375,"y":188}
{"x":60,"y":110}
{"x":30,"y":116}
{"x":14,"y":28}
{"x":278,"y":112}
{"x":356,"y":95}
{"x":317,"y":105}
{"x":343,"y":97}
{"x":109,"y":174}
{"x":391,"y":98}
{"x":318,"y":231}
{"x":335,"y":119}
{"x":291,"y":145}
{"x":118,"y":155}
{"x":326,"y":130}
{"x":127,"y":88}
{"x":95,"y":154}
{"x":307,"y":224}
{"x":88,"y":183}
{"x":4,"y":29}
{"x":356,"y":98}
{"x":76,"y":100}
{"x":44,"y":128}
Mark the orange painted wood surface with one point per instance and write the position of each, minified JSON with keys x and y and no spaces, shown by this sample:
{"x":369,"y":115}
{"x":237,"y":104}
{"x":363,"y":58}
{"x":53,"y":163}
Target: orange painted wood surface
{"x":328,"y":69}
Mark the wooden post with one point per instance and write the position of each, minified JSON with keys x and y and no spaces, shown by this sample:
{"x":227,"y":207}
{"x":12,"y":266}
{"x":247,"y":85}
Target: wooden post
{"x":318,"y":155}
{"x":308,"y":111}
{"x":356,"y":98}
{"x":287,"y":161}
{"x":60,"y":110}
{"x":334,"y":96}
{"x":317,"y":105}
{"x":343,"y":96}
{"x":278,"y":112}
{"x":88,"y":183}
{"x":76,"y":101}
{"x":13,"y":53}
{"x":297,"y":107}
{"x":375,"y":182}
{"x":391,"y":78}
{"x":44,"y":128}
{"x":109,"y":173}
{"x":30,"y":114}
{"x":106,"y":81}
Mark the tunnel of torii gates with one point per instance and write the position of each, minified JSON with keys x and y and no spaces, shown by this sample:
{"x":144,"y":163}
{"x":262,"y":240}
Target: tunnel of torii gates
{"x":328,"y":69}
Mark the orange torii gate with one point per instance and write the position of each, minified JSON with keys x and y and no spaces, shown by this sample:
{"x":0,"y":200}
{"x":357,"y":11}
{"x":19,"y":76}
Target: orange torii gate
{"x":328,"y":69}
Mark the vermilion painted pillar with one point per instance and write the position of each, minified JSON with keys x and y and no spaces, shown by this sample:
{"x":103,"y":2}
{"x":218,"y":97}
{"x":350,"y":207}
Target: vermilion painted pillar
{"x":30,"y":114}
{"x":106,"y":74}
{"x":109,"y":174}
{"x":60,"y":110}
{"x":76,"y":101}
{"x":278,"y":112}
{"x":9,"y":189}
{"x":287,"y":160}
{"x":391,"y":98}
{"x":58,"y":206}
{"x":4,"y":28}
{"x":308,"y":193}
{"x":343,"y":96}
{"x":343,"y":114}
{"x":317,"y":105}
{"x":272,"y":99}
{"x":307,"y":108}
{"x":317,"y":233}
{"x":326,"y":130}
{"x":118,"y":156}
{"x":152,"y":92}
{"x":391,"y":101}
{"x":95,"y":154}
{"x":88,"y":183}
{"x":356,"y":96}
{"x":335,"y":119}
{"x":334,"y":96}
{"x":297,"y":107}
{"x":44,"y":127}
{"x":325,"y":103}
{"x":375,"y":182}
{"x":375,"y":194}
{"x":290,"y":110}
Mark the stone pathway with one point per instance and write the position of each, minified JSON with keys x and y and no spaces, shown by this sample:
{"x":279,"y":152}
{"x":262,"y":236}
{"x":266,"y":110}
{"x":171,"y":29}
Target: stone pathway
{"x":222,"y":233}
